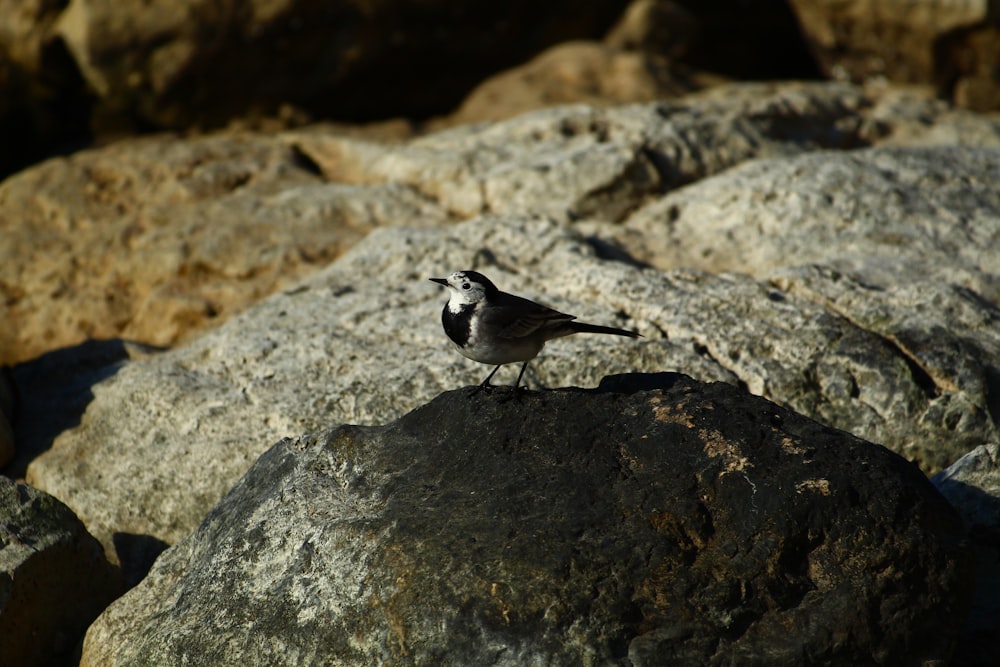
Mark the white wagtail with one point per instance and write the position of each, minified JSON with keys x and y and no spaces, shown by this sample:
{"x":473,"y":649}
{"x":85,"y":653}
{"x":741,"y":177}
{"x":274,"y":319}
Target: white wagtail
{"x":494,"y":327}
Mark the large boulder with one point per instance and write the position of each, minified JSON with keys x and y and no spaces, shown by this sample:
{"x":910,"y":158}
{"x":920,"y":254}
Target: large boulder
{"x":153,"y":239}
{"x":654,"y":520}
{"x":54,"y":578}
{"x":361,"y":342}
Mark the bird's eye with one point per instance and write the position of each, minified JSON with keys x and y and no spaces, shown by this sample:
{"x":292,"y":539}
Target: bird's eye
{"x":466,"y":285}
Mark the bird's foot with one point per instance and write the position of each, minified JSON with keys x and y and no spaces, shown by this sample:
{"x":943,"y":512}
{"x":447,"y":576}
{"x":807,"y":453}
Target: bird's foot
{"x":487,"y":388}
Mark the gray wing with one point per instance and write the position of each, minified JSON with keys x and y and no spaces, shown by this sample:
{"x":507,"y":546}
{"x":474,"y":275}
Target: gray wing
{"x":515,"y":317}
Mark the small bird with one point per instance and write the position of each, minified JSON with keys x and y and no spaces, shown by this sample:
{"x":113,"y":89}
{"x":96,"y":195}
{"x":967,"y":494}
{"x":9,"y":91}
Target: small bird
{"x":494,"y":327}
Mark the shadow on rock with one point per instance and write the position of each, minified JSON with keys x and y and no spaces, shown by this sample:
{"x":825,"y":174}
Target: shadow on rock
{"x":54,"y":390}
{"x":137,"y":553}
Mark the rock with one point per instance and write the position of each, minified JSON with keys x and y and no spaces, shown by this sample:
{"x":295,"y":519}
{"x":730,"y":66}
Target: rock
{"x":900,"y":243}
{"x":203,"y":63}
{"x":950,"y":44}
{"x":693,"y":523}
{"x":972,"y":486}
{"x":914,"y":116}
{"x":659,"y":27}
{"x":153,"y":239}
{"x":574,"y":72}
{"x":55,"y":389}
{"x":165,"y":437}
{"x":54,"y":579}
{"x":888,"y":216}
{"x":578,"y":161}
{"x":361,"y":342}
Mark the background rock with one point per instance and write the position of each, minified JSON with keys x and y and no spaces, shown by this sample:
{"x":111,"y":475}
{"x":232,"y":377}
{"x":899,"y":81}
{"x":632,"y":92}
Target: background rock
{"x":889,"y":217}
{"x":696,"y":524}
{"x":951,"y":44}
{"x":575,"y":72}
{"x":578,"y":161}
{"x":156,"y":63}
{"x":902,"y":244}
{"x":54,"y":579}
{"x":150,"y":240}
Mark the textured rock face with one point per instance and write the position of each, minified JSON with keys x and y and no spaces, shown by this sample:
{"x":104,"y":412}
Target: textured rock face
{"x":690,"y":523}
{"x":364,"y":343}
{"x":858,"y":287}
{"x":151,"y":240}
{"x":890,"y":217}
{"x":573,"y":72}
{"x":952,"y":44}
{"x":54,"y":579}
{"x":154,"y":239}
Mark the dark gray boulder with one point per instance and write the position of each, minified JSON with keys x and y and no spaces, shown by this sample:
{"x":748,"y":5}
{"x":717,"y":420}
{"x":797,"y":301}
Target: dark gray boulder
{"x":54,"y":578}
{"x":654,"y":520}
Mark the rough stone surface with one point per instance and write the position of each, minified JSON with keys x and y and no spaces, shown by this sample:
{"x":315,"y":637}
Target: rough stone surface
{"x":972,"y":486}
{"x":946,"y":42}
{"x":153,"y":239}
{"x":691,"y":524}
{"x":903,"y":244}
{"x":890,"y":216}
{"x":583,"y":162}
{"x":575,"y":72}
{"x":361,"y":342}
{"x":54,"y":579}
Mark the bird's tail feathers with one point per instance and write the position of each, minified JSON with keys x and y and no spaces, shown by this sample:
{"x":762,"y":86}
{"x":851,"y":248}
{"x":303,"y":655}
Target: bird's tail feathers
{"x":583,"y":327}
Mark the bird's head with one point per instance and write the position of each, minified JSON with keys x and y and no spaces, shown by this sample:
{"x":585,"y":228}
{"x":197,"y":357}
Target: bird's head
{"x":467,"y":287}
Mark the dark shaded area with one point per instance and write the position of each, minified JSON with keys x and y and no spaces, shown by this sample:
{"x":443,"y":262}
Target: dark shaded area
{"x":750,"y":39}
{"x":979,"y":643}
{"x":137,"y":553}
{"x":351,"y":62}
{"x":53,"y":392}
{"x":631,"y":383}
{"x":416,"y":60}
{"x":43,"y":116}
{"x":54,"y":578}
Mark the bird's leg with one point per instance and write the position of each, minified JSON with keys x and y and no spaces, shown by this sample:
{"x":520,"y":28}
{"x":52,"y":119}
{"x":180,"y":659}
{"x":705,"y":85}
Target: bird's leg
{"x":519,"y":376}
{"x":485,"y":384}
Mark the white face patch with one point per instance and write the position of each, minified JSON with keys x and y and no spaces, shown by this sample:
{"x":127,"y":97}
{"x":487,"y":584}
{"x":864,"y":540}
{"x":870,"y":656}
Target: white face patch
{"x":463,"y":291}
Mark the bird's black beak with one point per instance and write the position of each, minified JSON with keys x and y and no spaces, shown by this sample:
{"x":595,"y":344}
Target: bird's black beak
{"x":439,"y":281}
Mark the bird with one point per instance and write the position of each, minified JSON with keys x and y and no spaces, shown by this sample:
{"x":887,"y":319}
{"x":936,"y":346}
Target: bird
{"x":494,"y":327}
